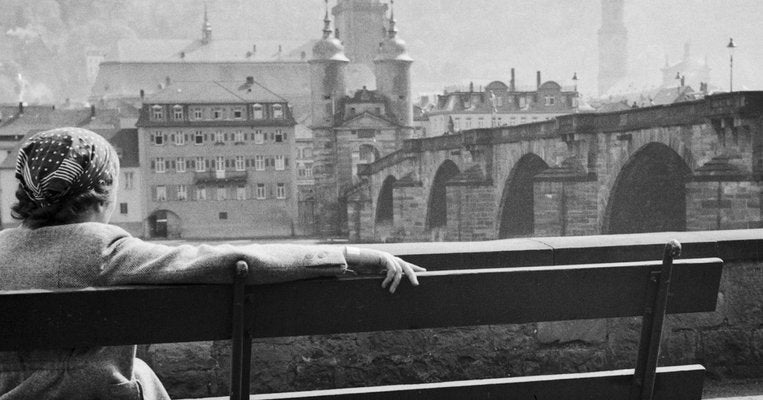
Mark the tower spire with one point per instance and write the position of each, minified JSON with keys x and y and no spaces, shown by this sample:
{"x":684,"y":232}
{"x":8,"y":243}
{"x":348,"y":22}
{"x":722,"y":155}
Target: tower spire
{"x":392,"y":29}
{"x":206,"y":28}
{"x":326,"y":22}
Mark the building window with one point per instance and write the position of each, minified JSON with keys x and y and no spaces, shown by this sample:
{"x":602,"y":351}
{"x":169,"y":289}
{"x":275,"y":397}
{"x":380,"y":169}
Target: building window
{"x":201,"y":193}
{"x":198,"y":113}
{"x":123,"y":208}
{"x":305,"y":170}
{"x":279,"y":136}
{"x":281,"y":191}
{"x":239,"y":137}
{"x":200,"y":164}
{"x":480,"y":122}
{"x":457,"y":124}
{"x":260,"y":191}
{"x":220,"y":163}
{"x":161,"y":193}
{"x":259,"y":137}
{"x":219,"y":137}
{"x":307,"y":153}
{"x":217,"y":113}
{"x":238,"y":113}
{"x":128,"y":180}
{"x":257,"y":111}
{"x":550,"y":100}
{"x":223,"y":215}
{"x":157,"y":113}
{"x":182,"y":193}
{"x":259,"y":163}
{"x":198,"y":137}
{"x":277,"y":111}
{"x":157,"y":138}
{"x":179,"y":138}
{"x":279,"y":163}
{"x":180,"y":164}
{"x":468,"y":123}
{"x":177,"y":113}
{"x":240,"y":163}
{"x":159,"y":165}
{"x":241,"y":192}
{"x":221,"y":192}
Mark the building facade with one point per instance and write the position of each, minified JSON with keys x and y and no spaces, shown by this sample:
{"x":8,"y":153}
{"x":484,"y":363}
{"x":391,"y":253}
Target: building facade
{"x":351,"y":130}
{"x":217,"y":161}
{"x":499,"y":105}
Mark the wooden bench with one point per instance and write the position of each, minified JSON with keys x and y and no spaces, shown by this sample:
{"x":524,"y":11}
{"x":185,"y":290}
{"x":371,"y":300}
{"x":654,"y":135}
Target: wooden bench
{"x":158,"y":314}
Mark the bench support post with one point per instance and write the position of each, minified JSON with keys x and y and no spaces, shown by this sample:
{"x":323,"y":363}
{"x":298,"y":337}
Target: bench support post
{"x":656,"y":302}
{"x":241,"y":346}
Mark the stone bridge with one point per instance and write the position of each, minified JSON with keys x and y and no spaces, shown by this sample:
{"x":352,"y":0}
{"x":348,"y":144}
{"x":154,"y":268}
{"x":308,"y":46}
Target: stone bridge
{"x":682,"y":167}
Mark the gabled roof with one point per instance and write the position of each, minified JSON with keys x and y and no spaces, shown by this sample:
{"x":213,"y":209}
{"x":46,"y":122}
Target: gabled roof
{"x":206,"y":92}
{"x":358,"y":119}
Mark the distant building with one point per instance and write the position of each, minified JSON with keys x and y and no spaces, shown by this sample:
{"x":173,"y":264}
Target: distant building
{"x":360,"y":25}
{"x":613,"y":45}
{"x":218,"y":161}
{"x":689,"y":71}
{"x":499,"y":104}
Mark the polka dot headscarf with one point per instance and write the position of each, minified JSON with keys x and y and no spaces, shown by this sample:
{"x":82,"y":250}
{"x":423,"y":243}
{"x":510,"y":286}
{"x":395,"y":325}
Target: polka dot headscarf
{"x":63,"y":161}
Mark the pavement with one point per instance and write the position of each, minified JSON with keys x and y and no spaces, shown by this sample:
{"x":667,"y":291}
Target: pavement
{"x":733,"y":389}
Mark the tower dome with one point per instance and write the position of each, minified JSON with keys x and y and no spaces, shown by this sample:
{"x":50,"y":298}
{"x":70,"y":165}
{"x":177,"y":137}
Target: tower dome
{"x":328,"y":48}
{"x":392,"y":47}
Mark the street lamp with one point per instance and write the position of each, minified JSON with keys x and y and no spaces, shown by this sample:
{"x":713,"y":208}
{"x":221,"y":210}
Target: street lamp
{"x":731,"y":46}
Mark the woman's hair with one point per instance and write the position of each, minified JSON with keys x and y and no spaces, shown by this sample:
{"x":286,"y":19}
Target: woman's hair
{"x":62,"y":174}
{"x":64,"y":212}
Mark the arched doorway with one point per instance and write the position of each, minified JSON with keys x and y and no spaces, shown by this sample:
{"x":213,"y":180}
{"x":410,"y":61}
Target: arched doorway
{"x":649,"y":194}
{"x":517,"y":212}
{"x":163,"y":224}
{"x":384,"y":205}
{"x":437,"y":210}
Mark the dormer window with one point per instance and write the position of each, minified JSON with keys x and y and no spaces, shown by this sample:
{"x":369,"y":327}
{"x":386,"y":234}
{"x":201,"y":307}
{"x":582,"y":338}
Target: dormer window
{"x":157,"y":113}
{"x":177,"y":113}
{"x":238,"y":113}
{"x":277,"y":111}
{"x":550,"y":100}
{"x":257,"y":111}
{"x":217,"y":113}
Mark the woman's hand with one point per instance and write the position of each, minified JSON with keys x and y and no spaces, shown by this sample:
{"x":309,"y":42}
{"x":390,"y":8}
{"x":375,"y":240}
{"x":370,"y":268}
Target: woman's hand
{"x":369,"y":261}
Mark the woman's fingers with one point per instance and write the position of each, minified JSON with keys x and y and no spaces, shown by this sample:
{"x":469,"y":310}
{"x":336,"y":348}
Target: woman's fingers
{"x":410,"y":271}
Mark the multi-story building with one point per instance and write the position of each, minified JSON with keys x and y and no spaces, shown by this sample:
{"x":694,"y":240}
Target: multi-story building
{"x":352,"y":130}
{"x":499,"y":105}
{"x":217,"y":161}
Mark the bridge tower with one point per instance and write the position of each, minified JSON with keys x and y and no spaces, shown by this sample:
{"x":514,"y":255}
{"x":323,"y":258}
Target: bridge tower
{"x":393,"y":74}
{"x":613,"y":45}
{"x":327,"y":87}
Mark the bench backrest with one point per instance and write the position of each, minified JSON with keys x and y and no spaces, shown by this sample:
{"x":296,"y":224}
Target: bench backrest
{"x":155,"y":314}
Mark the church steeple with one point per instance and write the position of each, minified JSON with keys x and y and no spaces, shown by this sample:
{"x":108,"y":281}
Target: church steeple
{"x":326,"y":22}
{"x":206,"y":28}
{"x":392,"y":32}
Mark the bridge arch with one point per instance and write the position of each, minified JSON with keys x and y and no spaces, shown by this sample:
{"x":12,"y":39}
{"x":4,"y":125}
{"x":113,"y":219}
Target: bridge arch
{"x":385,"y":202}
{"x":437,"y":206}
{"x":649,"y":194}
{"x":516,"y":212}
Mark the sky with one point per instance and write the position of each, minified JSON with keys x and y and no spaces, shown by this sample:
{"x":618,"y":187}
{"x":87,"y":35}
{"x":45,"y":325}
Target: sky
{"x":451,"y":41}
{"x":482,"y":39}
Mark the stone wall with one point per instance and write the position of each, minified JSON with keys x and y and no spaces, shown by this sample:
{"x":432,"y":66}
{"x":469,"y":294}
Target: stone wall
{"x":728,"y":342}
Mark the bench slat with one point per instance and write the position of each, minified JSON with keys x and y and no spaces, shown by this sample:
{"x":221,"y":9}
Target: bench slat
{"x":129,"y":315}
{"x":673,"y":383}
{"x":478,"y":297}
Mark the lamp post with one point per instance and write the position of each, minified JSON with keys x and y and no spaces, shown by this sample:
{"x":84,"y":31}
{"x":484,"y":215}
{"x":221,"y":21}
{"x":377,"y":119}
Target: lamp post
{"x":731,"y":46}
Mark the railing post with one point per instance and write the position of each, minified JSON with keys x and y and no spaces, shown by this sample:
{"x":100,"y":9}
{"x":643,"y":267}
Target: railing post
{"x":656,"y":302}
{"x":241,"y":342}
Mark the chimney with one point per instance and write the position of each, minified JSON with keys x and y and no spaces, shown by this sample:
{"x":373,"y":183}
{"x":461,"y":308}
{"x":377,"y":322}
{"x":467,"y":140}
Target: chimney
{"x":250,"y":80}
{"x":21,"y":108}
{"x":683,"y":81}
{"x":142,"y":94}
{"x":92,"y":111}
{"x":471,"y":87}
{"x":538,"y":79}
{"x":512,"y":84}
